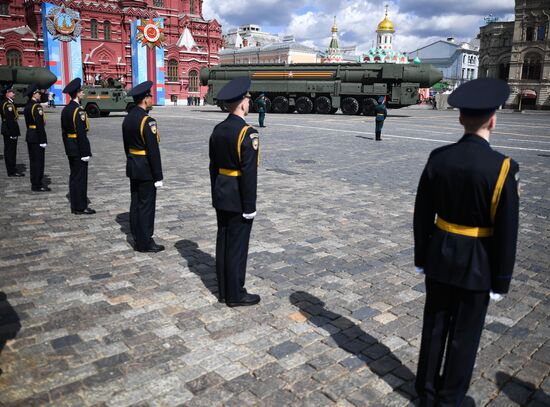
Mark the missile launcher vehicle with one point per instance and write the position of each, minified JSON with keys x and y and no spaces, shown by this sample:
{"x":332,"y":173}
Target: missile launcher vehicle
{"x":325,"y":88}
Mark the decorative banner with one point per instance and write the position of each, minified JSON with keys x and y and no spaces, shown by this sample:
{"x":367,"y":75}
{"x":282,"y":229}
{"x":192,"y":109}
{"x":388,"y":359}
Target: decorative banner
{"x":151,"y":33}
{"x":62,"y":49}
{"x":148,"y":55}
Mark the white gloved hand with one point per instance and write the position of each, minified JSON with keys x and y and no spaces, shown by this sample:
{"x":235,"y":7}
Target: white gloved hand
{"x":249,"y":215}
{"x":158,"y":184}
{"x":13,"y":138}
{"x":495,"y":296}
{"x":43,"y":145}
{"x":419,"y":270}
{"x":85,"y":159}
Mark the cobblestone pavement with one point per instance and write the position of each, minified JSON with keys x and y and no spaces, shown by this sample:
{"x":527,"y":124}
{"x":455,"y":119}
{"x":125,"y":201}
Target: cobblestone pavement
{"x":331,"y":255}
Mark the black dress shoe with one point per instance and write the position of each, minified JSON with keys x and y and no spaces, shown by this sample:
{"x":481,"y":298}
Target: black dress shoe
{"x":16,"y":174}
{"x":41,"y":189}
{"x":155,"y":248}
{"x":87,"y":211}
{"x":248,"y":299}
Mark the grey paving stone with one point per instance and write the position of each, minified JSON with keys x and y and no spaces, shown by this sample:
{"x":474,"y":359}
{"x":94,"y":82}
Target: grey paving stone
{"x":331,"y":250}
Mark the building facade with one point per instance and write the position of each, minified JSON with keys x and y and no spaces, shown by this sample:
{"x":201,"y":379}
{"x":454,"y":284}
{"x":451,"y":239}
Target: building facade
{"x":250,"y":45}
{"x":519,"y":52}
{"x":105,"y":34}
{"x":384,"y":52}
{"x":457,"y":61}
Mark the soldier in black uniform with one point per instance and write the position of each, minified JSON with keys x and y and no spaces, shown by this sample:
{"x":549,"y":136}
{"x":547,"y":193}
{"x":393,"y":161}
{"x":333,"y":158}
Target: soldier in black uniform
{"x":143,"y":167}
{"x":465,"y":232}
{"x":74,"y":130}
{"x":381,"y":114}
{"x":36,"y":137}
{"x":234,"y":157}
{"x":10,"y":130}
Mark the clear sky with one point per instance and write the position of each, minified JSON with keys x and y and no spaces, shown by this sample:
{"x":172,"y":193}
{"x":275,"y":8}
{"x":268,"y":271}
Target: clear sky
{"x":417,"y":22}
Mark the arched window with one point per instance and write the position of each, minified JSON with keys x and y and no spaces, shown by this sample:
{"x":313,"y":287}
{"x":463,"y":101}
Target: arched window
{"x":192,"y":7}
{"x":193,"y":81}
{"x":532,"y":67}
{"x":14,"y":58}
{"x":503,"y":70}
{"x":172,"y":72}
{"x":107,"y":30}
{"x":93,"y":28}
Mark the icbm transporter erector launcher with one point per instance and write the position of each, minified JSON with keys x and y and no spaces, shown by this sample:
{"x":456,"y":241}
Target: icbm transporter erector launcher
{"x":325,"y":88}
{"x":22,"y":77}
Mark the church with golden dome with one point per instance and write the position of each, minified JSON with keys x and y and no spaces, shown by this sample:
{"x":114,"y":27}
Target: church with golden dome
{"x":384,"y":52}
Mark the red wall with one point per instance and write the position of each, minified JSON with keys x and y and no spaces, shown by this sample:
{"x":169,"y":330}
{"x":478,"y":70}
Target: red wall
{"x":22,"y":30}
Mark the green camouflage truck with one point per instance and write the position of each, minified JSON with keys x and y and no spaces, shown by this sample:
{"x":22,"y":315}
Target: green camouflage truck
{"x":101,"y":100}
{"x":325,"y":88}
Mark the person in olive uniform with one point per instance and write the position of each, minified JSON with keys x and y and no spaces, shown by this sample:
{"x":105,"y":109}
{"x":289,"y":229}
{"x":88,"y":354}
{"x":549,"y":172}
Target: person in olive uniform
{"x":234,"y":157}
{"x":143,"y":167}
{"x":381,"y":114}
{"x":465,"y":234}
{"x":74,"y":130}
{"x":261,"y":109}
{"x":36,"y":138}
{"x":10,"y":130}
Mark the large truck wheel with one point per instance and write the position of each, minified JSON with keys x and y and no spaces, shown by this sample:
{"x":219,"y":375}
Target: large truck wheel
{"x":280,"y":104}
{"x":92,"y":110}
{"x":368,"y":107}
{"x":304,"y":105}
{"x":323,"y":105}
{"x":105,"y":114}
{"x":350,"y":106}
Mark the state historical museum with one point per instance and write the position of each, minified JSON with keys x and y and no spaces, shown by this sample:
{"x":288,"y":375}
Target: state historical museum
{"x":166,"y":41}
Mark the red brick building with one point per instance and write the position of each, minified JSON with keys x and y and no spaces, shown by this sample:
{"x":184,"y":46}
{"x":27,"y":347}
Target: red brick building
{"x":191,"y":42}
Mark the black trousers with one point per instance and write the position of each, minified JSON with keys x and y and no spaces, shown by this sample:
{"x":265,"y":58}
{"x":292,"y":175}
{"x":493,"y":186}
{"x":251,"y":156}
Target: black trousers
{"x":142,"y":212}
{"x":78,"y":184}
{"x":10,"y":154}
{"x":453,"y":322}
{"x":36,"y":164}
{"x":231,"y":254}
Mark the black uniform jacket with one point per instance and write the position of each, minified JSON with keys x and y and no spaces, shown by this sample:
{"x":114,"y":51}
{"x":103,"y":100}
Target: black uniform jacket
{"x":234,"y":193}
{"x":35,"y":121}
{"x":140,"y":133}
{"x":9,"y":114}
{"x":457,"y":185}
{"x":74,"y":129}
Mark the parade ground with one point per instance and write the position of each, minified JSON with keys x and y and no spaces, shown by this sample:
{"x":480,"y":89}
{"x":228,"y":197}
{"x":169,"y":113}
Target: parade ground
{"x":331,"y":254}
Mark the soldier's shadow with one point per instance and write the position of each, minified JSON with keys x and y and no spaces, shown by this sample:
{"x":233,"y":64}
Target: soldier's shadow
{"x":21,"y":168}
{"x":123,"y":219}
{"x":351,"y":338}
{"x":200,"y":263}
{"x":10,"y":323}
{"x":509,"y":386}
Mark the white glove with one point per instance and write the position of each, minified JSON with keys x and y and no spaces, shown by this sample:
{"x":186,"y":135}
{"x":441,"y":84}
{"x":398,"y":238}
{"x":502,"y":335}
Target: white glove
{"x":419,"y":270}
{"x":158,"y":184}
{"x":249,"y":215}
{"x":85,"y":159}
{"x":13,"y":138}
{"x":495,"y":296}
{"x":43,"y":145}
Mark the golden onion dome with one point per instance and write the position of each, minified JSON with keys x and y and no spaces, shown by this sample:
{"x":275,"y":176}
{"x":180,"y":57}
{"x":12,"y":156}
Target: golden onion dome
{"x":334,"y":27}
{"x":385,"y":24}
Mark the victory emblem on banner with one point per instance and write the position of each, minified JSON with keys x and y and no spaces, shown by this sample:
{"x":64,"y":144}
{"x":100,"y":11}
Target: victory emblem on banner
{"x":150,"y":33}
{"x":63,"y":24}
